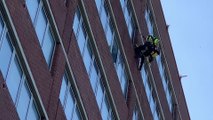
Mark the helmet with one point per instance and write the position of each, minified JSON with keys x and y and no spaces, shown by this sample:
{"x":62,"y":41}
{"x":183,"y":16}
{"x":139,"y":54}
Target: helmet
{"x":150,"y":38}
{"x":156,"y":41}
{"x":153,"y":40}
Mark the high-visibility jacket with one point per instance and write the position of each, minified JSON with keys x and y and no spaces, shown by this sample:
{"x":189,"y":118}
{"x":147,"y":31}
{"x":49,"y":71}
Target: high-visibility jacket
{"x":153,"y":40}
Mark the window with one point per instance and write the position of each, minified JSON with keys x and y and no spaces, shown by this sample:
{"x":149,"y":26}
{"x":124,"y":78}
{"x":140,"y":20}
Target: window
{"x":91,"y":65}
{"x":149,"y":21}
{"x":160,"y":61}
{"x":1,"y":26}
{"x":15,"y":78}
{"x":42,"y":28}
{"x":129,"y":17}
{"x":136,"y":114}
{"x":111,"y":36}
{"x":6,"y":52}
{"x":68,"y":100}
{"x":165,"y":80}
{"x":150,"y":93}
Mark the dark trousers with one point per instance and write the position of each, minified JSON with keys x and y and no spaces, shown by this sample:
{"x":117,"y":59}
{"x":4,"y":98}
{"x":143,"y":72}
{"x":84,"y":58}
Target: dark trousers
{"x":140,"y":62}
{"x":139,"y":50}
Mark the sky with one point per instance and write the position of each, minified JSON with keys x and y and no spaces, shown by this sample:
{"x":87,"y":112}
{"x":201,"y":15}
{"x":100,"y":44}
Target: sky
{"x":191,"y":32}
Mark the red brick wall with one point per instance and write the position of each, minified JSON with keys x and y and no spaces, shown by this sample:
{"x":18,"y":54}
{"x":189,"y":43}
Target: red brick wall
{"x":48,"y":81}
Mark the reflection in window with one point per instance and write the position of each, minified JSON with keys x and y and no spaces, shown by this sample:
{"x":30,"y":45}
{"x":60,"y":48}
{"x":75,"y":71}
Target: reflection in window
{"x":149,"y":21}
{"x":42,"y":28}
{"x":68,"y":100}
{"x":91,"y":65}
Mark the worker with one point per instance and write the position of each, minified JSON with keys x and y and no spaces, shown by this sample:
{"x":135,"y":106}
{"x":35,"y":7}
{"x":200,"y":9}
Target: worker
{"x":149,"y":49}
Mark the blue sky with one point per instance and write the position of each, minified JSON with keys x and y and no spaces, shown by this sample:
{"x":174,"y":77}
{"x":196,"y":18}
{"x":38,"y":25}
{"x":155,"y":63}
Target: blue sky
{"x":191,"y":33}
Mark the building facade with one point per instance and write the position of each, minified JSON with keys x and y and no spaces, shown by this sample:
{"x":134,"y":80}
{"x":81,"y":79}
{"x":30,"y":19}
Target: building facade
{"x":74,"y":60}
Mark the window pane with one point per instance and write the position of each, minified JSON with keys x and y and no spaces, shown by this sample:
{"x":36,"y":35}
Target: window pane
{"x":124,"y":84}
{"x":109,"y":35}
{"x":32,"y":6}
{"x":99,"y":96}
{"x":14,"y":78}
{"x":119,"y":71}
{"x":93,"y":77}
{"x":48,"y":46}
{"x":33,"y":112}
{"x":63,"y":90}
{"x":69,"y":106}
{"x":76,"y":24}
{"x":104,"y":19}
{"x":23,"y":101}
{"x":1,"y":26}
{"x":115,"y":51}
{"x":104,"y":110}
{"x":81,"y":39}
{"x":98,"y":4}
{"x":5,"y":55}
{"x":122,"y":4}
{"x":76,"y":114}
{"x":87,"y":57}
{"x":41,"y":25}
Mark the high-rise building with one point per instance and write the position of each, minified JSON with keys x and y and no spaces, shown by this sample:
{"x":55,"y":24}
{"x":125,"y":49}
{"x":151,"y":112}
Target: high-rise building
{"x":75,"y":60}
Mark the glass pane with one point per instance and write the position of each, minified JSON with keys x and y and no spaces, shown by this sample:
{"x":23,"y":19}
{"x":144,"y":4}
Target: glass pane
{"x":124,"y":84}
{"x":33,"y":113}
{"x":48,"y":46}
{"x":135,"y":115}
{"x":87,"y":57}
{"x":81,"y":39}
{"x":99,"y":96}
{"x":76,"y":24}
{"x":93,"y":77}
{"x":63,"y":90}
{"x":109,"y":35}
{"x":115,"y":51}
{"x":122,"y":4}
{"x":41,"y":25}
{"x":126,"y":16}
{"x":104,"y":19}
{"x":130,"y":28}
{"x":32,"y":6}
{"x":5,"y":55}
{"x":14,"y":78}
{"x":152,"y":104}
{"x":23,"y":102}
{"x":76,"y":114}
{"x":104,"y":110}
{"x":1,"y":26}
{"x":69,"y":106}
{"x":98,"y":4}
{"x":119,"y":71}
{"x":156,"y":116}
